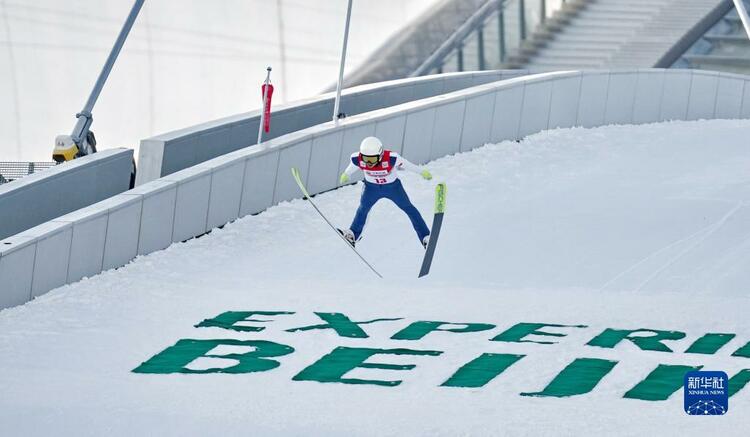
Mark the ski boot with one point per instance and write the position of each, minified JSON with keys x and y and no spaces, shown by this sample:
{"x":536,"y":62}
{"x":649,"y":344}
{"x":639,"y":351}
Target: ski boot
{"x":425,"y":242}
{"x":348,"y":236}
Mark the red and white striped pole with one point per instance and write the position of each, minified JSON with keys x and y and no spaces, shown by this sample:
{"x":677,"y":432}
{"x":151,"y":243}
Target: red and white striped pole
{"x":265,"y":113}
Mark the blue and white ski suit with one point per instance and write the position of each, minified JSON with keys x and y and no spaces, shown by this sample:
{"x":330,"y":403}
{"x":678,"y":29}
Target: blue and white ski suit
{"x":381,"y":181}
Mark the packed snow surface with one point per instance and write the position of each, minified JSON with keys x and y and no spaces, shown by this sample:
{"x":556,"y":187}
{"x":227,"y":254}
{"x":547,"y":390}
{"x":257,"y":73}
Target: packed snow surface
{"x":619,"y":227}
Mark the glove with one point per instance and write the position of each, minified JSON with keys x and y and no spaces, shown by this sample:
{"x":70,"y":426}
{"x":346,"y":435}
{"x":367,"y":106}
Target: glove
{"x":343,"y":179}
{"x":426,"y":174}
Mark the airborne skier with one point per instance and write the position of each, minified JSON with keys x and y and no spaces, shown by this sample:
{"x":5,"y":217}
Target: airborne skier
{"x":381,"y":181}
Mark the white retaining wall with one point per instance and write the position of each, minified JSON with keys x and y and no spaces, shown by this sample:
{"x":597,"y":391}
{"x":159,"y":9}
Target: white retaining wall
{"x":42,"y":196}
{"x":174,"y":151}
{"x":193,"y":201}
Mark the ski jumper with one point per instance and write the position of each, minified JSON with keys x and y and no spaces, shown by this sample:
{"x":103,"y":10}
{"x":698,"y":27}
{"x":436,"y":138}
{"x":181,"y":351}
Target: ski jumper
{"x":381,"y":181}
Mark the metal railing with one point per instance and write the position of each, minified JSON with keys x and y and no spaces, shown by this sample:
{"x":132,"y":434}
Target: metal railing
{"x":485,"y":42}
{"x":10,"y":171}
{"x":742,"y":12}
{"x":695,"y":34}
{"x":405,"y":50}
{"x":718,"y":42}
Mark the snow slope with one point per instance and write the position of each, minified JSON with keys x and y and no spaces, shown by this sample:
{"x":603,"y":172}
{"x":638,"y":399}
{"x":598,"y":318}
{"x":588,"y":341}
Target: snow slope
{"x":619,"y":227}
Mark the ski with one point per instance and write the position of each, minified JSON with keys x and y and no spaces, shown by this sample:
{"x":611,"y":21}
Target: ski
{"x":437,"y":222}
{"x":298,"y":179}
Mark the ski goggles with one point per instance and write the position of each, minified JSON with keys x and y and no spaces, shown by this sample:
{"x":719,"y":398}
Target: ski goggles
{"x":371,"y":159}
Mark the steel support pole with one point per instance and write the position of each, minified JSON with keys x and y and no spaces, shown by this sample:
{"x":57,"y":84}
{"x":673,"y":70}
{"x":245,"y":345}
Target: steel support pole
{"x":501,"y":34}
{"x":480,"y":44}
{"x":343,"y":61}
{"x":742,"y":11}
{"x":85,"y":117}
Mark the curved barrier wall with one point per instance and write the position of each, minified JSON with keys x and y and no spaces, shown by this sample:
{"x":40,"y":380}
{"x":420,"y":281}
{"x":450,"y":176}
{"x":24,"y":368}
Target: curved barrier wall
{"x":165,"y":154}
{"x":193,"y":201}
{"x":36,"y":198}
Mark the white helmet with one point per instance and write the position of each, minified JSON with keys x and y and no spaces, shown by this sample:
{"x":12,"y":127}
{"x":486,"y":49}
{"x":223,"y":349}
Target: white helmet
{"x":371,"y":146}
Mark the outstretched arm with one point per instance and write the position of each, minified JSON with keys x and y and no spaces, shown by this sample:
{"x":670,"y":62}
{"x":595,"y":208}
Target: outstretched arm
{"x":350,"y":169}
{"x":403,"y":163}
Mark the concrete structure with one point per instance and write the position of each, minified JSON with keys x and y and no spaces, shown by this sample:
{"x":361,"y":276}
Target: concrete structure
{"x":165,"y":154}
{"x":64,"y":188}
{"x":193,"y":201}
{"x":403,"y":52}
{"x":618,"y":34}
{"x":725,"y":47}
